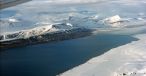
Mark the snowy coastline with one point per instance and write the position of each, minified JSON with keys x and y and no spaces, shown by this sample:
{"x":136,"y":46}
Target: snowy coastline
{"x":126,"y":60}
{"x":126,"y":17}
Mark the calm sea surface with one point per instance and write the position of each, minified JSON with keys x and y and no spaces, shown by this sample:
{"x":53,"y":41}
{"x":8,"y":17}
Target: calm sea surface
{"x":50,"y":59}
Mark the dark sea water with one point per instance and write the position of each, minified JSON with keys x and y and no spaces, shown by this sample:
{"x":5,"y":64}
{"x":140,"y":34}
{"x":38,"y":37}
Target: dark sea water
{"x":50,"y":59}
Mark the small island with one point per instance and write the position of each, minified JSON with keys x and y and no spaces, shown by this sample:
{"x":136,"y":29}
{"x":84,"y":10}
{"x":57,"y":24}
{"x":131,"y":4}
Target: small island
{"x":42,"y":34}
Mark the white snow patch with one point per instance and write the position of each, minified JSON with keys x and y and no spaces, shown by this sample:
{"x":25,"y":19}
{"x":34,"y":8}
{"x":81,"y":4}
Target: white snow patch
{"x":13,"y":20}
{"x":113,"y":19}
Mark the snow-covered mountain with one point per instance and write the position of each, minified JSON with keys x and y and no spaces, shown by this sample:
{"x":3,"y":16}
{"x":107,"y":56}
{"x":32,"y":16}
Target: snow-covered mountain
{"x":126,"y":16}
{"x":75,"y":21}
{"x":90,"y":15}
{"x":40,"y":29}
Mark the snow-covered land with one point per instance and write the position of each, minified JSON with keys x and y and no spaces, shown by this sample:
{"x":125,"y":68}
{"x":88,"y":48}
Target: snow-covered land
{"x":38,"y":30}
{"x":88,"y":13}
{"x":126,"y":60}
{"x":119,"y":16}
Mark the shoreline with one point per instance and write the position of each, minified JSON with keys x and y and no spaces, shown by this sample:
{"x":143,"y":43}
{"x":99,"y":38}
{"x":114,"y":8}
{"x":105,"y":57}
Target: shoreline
{"x":47,"y":37}
{"x":121,"y":59}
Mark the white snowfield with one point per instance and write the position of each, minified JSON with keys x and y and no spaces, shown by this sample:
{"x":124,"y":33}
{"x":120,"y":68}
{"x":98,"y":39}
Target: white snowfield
{"x":126,"y":60}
